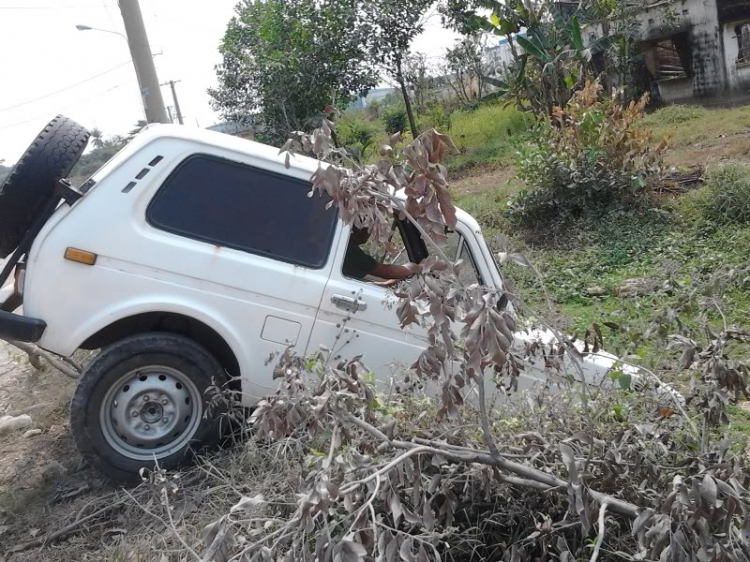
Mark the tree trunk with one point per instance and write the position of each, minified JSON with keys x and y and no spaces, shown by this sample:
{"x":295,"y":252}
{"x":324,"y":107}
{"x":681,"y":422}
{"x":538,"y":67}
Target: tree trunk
{"x":407,"y":100}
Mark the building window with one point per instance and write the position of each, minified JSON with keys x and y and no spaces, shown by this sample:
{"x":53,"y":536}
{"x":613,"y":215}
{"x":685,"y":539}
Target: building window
{"x":226,"y":203}
{"x":669,"y":62}
{"x":743,"y":43}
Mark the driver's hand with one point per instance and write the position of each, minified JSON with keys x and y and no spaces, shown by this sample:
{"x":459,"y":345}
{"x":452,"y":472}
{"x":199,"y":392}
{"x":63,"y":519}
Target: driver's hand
{"x":413,"y":268}
{"x":387,"y":282}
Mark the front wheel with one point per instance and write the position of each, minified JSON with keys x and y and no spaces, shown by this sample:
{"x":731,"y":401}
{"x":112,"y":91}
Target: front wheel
{"x":143,"y":401}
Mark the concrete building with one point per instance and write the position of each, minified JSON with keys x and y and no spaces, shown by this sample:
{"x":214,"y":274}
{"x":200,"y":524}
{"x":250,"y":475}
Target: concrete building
{"x":694,"y":49}
{"x":372,"y":96}
{"x":235,"y":129}
{"x":500,"y":54}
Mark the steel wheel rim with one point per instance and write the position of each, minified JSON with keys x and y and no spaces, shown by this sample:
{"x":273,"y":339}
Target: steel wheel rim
{"x":151,"y":413}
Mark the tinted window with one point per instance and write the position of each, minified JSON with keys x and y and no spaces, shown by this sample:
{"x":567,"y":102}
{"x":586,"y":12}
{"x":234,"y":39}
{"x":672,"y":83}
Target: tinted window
{"x":241,"y":207}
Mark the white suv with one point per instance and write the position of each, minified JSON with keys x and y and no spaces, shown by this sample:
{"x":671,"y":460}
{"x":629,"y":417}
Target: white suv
{"x":189,"y":259}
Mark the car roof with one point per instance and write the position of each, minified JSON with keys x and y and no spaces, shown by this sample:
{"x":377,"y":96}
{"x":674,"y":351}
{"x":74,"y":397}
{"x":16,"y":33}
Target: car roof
{"x":301,"y":166}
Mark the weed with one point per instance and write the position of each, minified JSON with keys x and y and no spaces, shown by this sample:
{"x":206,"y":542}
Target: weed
{"x":726,"y":198}
{"x":489,"y":134}
{"x":675,"y":114}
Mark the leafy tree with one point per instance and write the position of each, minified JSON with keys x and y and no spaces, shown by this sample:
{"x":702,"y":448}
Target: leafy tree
{"x":419,"y":78}
{"x":395,"y":24}
{"x":4,"y":171}
{"x":97,"y":138}
{"x":286,"y":60}
{"x":135,"y":130}
{"x":551,"y":60}
{"x":465,"y":69}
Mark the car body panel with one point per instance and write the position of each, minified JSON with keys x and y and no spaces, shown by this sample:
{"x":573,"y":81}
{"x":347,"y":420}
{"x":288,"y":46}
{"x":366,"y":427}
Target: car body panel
{"x":256,"y":304}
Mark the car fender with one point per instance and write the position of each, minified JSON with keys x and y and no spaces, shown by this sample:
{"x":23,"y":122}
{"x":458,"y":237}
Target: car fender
{"x":209,"y":316}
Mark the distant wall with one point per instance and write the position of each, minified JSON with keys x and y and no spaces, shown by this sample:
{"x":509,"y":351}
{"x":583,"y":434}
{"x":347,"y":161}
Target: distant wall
{"x":699,"y":20}
{"x":738,"y":73}
{"x":675,"y":90}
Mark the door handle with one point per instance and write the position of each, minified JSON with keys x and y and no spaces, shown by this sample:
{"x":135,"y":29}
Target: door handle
{"x":348,"y":303}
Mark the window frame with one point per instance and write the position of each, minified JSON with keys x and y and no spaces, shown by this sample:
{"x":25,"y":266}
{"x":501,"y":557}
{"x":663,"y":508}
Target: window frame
{"x":464,"y":245}
{"x":150,"y":220}
{"x":400,"y":226}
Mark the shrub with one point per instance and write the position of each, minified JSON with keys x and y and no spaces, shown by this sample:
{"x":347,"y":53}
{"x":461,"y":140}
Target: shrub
{"x":356,"y":134}
{"x":726,"y":197}
{"x":590,"y":157}
{"x":394,"y":118}
{"x":435,"y":115}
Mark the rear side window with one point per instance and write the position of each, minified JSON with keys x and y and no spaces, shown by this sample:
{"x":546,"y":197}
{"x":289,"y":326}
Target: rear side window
{"x":230,"y":204}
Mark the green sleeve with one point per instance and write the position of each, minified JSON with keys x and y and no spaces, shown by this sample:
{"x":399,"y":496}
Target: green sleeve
{"x":358,"y":263}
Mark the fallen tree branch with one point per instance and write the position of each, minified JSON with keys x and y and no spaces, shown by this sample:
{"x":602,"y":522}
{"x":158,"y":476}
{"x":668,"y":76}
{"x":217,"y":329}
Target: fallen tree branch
{"x":67,"y":530}
{"x":71,"y":370}
{"x":526,"y":472}
{"x":600,"y":538}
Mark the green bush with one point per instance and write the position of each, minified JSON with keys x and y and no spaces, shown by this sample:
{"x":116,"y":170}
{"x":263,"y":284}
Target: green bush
{"x":474,"y":128}
{"x":394,"y":119}
{"x":726,"y":197}
{"x":356,"y":134}
{"x":435,"y":115}
{"x":589,"y":157}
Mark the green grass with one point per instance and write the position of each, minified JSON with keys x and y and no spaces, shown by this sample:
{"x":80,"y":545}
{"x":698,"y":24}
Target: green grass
{"x":486,"y":135}
{"x":678,"y":247}
{"x":687,"y":125}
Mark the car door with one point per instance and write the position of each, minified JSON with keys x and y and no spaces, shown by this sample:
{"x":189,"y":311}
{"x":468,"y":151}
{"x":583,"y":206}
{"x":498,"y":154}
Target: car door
{"x":358,"y":318}
{"x":241,"y":248}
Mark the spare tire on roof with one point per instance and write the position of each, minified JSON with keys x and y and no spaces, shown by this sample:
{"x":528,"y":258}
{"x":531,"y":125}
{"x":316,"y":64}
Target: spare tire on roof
{"x":32,"y":182}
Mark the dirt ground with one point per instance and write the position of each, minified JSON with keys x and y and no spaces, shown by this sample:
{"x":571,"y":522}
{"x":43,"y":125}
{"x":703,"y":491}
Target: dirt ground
{"x":725,"y":147}
{"x":41,"y":473}
{"x":485,"y":178}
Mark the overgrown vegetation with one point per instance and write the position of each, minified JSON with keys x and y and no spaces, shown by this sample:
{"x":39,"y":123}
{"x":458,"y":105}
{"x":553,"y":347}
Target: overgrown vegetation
{"x":687,"y":125}
{"x":590,"y":158}
{"x":568,"y":473}
{"x":726,"y":198}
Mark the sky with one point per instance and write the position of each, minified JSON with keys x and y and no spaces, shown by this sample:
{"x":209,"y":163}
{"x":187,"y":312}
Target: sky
{"x":50,"y":67}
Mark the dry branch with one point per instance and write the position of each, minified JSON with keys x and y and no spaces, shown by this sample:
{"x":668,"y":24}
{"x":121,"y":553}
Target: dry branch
{"x":530,"y":477}
{"x":71,"y":369}
{"x":67,"y":530}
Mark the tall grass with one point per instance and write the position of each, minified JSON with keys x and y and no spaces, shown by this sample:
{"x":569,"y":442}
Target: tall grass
{"x":487,"y":134}
{"x":725,"y":199}
{"x":687,"y":125}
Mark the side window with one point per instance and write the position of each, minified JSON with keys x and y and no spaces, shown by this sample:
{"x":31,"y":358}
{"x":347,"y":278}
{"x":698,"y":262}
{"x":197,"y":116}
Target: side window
{"x":457,"y":249}
{"x":364,"y":254}
{"x":393,"y":252}
{"x":230,"y":204}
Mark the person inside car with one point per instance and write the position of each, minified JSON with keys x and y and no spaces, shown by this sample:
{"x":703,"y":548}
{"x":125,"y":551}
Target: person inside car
{"x":358,"y":264}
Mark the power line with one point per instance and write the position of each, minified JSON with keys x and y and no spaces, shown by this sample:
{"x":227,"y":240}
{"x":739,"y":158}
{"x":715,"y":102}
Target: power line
{"x":64,"y":89}
{"x":16,"y":124}
{"x":57,"y":7}
{"x":109,"y":15}
{"x":47,"y":7}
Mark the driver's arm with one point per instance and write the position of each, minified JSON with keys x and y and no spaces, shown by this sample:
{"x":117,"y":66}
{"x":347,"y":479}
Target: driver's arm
{"x":389,"y":271}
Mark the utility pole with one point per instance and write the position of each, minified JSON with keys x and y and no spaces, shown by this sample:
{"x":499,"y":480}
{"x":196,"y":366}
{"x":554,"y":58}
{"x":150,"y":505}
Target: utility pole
{"x":171,"y":84}
{"x":143,"y":60}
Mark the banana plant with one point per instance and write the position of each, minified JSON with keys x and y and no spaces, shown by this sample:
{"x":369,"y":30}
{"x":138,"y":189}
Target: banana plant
{"x":550,"y":59}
